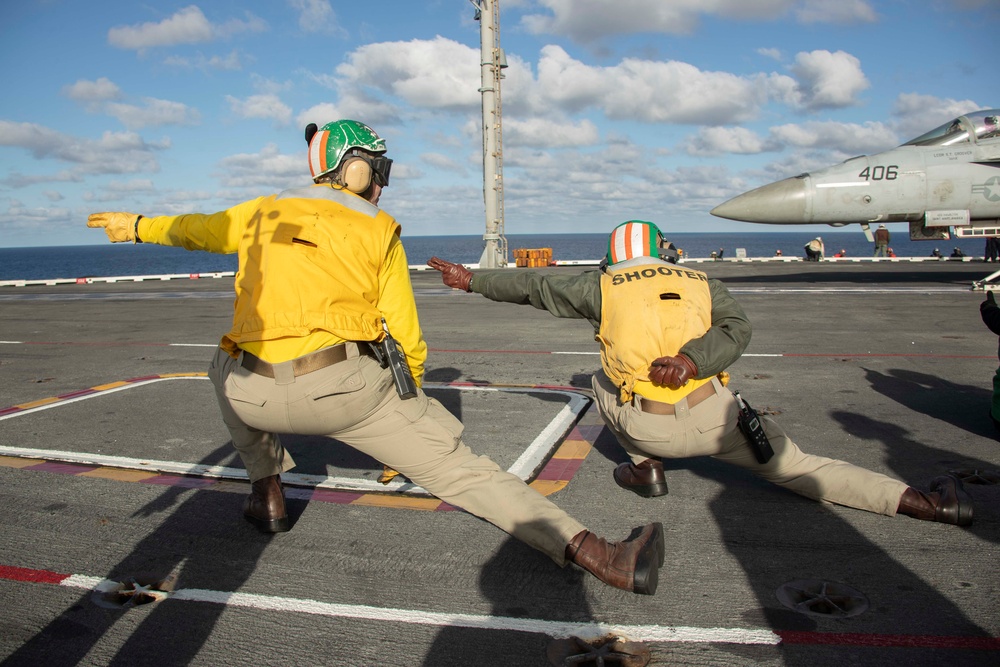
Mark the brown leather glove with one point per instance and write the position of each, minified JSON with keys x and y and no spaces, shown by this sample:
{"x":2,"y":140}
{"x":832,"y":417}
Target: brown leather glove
{"x":118,"y":226}
{"x":453,"y":275}
{"x":672,"y":372}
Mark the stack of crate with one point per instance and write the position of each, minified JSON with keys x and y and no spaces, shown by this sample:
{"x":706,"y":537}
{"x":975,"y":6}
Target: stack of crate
{"x":532,"y":258}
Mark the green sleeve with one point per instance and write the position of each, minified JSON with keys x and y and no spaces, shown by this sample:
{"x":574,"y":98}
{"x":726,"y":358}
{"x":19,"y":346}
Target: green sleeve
{"x":577,"y":296}
{"x":727,"y":338}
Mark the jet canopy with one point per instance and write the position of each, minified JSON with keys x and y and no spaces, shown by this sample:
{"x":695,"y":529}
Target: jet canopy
{"x":972,"y":127}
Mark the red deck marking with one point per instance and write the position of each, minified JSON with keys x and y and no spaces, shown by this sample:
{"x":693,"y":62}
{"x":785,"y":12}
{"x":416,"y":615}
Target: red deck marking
{"x":560,"y":469}
{"x":34,"y":576}
{"x":883,"y":354}
{"x":62,"y":468}
{"x":323,"y":495}
{"x":74,"y":394}
{"x":179,"y":480}
{"x":887,"y":641}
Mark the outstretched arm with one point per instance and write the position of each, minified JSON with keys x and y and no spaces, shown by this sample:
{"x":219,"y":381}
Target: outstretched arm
{"x":571,"y":296}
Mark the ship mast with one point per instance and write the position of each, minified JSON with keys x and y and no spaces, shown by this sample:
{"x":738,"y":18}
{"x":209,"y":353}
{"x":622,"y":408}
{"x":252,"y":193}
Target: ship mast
{"x":492,"y":62}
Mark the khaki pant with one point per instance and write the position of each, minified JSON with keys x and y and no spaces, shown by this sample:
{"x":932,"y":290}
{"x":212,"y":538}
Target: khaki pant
{"x":710,"y":429}
{"x":355,"y":402}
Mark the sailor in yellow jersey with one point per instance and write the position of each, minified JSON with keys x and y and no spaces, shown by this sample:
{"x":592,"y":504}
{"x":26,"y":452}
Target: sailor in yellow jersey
{"x":667,"y":333}
{"x":320,"y":268}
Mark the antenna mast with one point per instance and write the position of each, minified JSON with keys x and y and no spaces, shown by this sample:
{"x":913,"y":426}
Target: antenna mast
{"x":492,"y":62}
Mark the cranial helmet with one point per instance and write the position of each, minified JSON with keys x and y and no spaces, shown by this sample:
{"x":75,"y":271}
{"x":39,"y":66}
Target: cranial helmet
{"x":340,"y":140}
{"x":637,"y":238}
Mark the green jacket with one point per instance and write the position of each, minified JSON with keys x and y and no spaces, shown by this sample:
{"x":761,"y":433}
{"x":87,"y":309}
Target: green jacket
{"x":579,"y":296}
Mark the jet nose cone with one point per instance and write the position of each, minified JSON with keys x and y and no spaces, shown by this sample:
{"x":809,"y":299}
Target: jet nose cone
{"x":781,"y":202}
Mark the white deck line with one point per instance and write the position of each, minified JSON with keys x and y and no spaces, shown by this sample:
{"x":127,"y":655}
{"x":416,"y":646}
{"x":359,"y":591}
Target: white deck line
{"x":587,"y":631}
{"x":526,"y":465}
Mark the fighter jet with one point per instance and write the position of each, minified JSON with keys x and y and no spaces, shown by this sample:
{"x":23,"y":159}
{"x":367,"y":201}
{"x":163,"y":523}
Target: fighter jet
{"x":946,"y":178}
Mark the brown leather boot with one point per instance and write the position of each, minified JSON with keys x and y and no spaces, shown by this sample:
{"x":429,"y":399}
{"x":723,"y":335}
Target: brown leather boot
{"x":646,"y":479}
{"x":632,"y":565}
{"x":947,"y":502}
{"x":265,"y":506}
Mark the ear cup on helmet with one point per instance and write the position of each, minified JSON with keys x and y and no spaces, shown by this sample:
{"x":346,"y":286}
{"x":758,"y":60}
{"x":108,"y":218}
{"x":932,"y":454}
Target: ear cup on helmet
{"x":356,"y":174}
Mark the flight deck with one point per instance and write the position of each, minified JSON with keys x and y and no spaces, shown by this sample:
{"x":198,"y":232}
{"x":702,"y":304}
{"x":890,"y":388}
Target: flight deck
{"x":124,"y":542}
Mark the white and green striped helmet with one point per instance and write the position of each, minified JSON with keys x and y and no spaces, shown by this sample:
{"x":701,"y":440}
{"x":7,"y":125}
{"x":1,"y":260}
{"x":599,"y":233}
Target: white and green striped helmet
{"x":329,"y":144}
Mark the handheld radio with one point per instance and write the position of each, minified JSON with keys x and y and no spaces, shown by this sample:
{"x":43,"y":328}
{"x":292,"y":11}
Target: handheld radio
{"x":389,"y":354}
{"x":750,"y":424}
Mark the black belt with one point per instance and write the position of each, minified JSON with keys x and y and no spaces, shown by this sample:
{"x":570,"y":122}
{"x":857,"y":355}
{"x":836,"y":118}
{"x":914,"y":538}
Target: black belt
{"x":694,"y":398}
{"x":328,"y":356}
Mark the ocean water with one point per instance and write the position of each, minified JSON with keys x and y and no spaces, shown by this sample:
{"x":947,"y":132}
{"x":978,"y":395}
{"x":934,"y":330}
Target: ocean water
{"x":124,"y":259}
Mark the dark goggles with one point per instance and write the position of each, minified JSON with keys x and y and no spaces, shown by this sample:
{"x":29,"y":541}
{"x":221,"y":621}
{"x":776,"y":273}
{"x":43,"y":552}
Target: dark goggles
{"x":380,"y":168}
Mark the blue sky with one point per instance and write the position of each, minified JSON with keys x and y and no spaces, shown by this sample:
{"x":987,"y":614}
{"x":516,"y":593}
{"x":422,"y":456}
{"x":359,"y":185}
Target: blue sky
{"x":613,"y":109}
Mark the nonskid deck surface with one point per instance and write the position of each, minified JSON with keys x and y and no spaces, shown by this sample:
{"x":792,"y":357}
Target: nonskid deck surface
{"x":884,"y":365}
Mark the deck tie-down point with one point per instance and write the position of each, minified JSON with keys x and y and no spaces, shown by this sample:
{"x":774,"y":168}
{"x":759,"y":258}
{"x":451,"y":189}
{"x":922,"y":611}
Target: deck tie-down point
{"x":815,"y":597}
{"x":608,"y":650}
{"x":975,"y":476}
{"x":134,"y":592}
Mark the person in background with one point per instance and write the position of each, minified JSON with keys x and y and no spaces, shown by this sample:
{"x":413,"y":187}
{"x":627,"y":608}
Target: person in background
{"x":957,"y":253}
{"x":815,"y":250}
{"x":991,"y":318}
{"x":777,"y":253}
{"x":936,"y":253}
{"x":881,"y":242}
{"x":842,"y":253}
{"x":667,"y":335}
{"x":322,"y":275}
{"x":992,"y":251}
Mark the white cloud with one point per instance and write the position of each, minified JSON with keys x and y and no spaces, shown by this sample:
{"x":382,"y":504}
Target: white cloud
{"x":231,"y":62}
{"x":587,"y":20}
{"x":722,"y":140}
{"x":917,"y":114}
{"x":238,"y":26}
{"x":544,"y":133}
{"x":434,"y":74}
{"x":647,"y":90}
{"x":440,"y":74}
{"x":92,"y":92}
{"x":838,"y":11}
{"x":590,"y":20}
{"x":828,"y":80}
{"x":321,"y":114}
{"x":113,"y":153}
{"x":315,"y":15}
{"x":122,"y":190}
{"x":99,"y":97}
{"x":155,"y":113}
{"x":268,"y":170}
{"x":187,"y":26}
{"x":266,"y":106}
{"x":849,"y":138}
{"x":443,"y":162}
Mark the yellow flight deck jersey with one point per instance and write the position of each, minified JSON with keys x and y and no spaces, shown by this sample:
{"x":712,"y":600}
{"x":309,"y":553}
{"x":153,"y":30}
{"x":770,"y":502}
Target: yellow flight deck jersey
{"x":318,"y":266}
{"x":650,"y":309}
